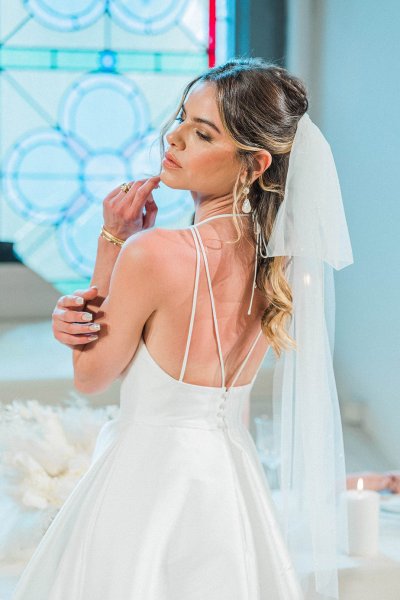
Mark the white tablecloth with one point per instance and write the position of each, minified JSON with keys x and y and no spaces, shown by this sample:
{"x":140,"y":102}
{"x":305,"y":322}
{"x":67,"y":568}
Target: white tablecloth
{"x":375,"y":578}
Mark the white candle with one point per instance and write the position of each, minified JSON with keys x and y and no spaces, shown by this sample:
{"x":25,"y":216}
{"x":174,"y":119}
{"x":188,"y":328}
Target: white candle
{"x":363,"y":520}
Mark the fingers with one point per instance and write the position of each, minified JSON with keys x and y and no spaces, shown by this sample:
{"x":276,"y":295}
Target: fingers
{"x":72,"y":328}
{"x":136,"y":197}
{"x":143,"y":198}
{"x":87,"y":291}
{"x":394,"y":483}
{"x":117,"y":194}
{"x":123,"y":212}
{"x":146,"y":188}
{"x":75,"y":340}
{"x":126,"y":196}
{"x":67,"y":315}
{"x":150,"y":216}
{"x":69,"y":325}
{"x":77,"y":299}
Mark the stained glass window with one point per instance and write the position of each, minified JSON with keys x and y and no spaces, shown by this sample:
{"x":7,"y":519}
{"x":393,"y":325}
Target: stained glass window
{"x":84,"y":88}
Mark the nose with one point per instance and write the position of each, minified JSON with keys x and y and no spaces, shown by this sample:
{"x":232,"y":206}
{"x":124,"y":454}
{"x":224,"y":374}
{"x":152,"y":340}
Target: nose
{"x":170,"y":137}
{"x":174,"y":138}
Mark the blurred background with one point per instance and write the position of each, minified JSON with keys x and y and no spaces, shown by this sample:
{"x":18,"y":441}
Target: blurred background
{"x":64,"y":64}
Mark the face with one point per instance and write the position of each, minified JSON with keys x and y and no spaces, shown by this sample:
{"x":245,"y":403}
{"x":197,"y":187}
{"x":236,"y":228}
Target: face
{"x":206,"y":153}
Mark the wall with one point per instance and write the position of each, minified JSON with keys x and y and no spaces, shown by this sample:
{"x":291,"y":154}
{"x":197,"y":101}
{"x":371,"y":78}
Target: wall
{"x":348,"y":54}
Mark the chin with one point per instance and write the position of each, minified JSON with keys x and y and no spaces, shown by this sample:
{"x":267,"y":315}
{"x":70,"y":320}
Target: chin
{"x":168,"y":180}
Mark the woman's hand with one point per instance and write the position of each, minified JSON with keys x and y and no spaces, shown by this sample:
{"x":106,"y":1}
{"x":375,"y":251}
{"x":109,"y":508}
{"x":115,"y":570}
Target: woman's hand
{"x":394,"y":484}
{"x":123,"y":211}
{"x":70,"y":327}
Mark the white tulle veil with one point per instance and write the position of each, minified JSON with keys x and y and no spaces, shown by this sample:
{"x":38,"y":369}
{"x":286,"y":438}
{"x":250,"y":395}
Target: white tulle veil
{"x":311,"y":229}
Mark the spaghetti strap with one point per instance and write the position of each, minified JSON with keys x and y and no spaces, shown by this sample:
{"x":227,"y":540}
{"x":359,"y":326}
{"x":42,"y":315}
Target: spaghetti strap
{"x":200,"y":246}
{"x":246,"y":359}
{"x":194,"y":228}
{"x":196,"y":287}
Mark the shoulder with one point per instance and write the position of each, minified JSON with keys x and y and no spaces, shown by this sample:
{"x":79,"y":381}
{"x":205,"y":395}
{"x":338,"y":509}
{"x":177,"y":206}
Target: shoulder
{"x":157,"y":243}
{"x":161,"y":253}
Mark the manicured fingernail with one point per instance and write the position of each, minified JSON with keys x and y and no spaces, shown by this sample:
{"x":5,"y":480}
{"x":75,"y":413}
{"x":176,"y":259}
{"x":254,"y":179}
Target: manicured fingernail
{"x":87,"y":317}
{"x":92,"y":337}
{"x":93,"y":286}
{"x":79,"y":300}
{"x":94,"y":326}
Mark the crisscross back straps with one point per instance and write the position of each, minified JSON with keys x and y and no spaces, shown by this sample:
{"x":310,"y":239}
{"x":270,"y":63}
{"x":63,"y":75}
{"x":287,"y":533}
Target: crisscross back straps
{"x":199,"y":246}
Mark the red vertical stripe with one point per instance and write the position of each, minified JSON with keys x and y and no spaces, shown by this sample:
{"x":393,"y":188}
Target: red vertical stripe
{"x":212,"y":18}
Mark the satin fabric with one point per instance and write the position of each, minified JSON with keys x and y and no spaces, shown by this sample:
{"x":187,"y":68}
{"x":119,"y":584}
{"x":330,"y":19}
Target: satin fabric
{"x":175,"y":505}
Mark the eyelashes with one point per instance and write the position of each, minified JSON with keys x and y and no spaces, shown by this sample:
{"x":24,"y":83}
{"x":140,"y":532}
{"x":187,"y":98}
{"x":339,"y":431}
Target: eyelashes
{"x":201,"y":135}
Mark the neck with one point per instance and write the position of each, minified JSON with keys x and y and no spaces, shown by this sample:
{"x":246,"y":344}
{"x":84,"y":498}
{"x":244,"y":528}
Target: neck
{"x":222,"y":215}
{"x":205,"y":215}
{"x":207,"y":206}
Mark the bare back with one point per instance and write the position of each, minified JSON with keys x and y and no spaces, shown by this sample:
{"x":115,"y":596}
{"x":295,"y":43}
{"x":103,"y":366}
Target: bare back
{"x":181,"y":335}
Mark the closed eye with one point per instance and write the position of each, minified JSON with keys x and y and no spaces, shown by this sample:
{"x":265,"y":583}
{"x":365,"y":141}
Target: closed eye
{"x":201,"y":135}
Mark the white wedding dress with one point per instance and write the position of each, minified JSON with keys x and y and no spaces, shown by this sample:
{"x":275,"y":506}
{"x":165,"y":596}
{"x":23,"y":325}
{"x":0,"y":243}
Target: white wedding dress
{"x":175,"y":505}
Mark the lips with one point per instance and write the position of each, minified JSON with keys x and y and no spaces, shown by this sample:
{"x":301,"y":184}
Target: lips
{"x":172,"y":159}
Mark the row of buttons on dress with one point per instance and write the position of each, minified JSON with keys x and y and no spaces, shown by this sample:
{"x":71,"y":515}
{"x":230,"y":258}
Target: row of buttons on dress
{"x":221,"y":412}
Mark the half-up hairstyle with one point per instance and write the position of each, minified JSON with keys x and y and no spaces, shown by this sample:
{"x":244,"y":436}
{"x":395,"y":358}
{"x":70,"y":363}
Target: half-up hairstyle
{"x":259,"y":104}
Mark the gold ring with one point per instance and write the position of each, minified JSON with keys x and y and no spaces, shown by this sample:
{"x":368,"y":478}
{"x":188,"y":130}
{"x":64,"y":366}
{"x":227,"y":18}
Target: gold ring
{"x":125,"y":187}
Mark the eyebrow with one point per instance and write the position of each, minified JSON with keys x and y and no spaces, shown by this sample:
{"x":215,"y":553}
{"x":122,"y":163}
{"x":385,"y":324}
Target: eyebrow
{"x":200,"y":120}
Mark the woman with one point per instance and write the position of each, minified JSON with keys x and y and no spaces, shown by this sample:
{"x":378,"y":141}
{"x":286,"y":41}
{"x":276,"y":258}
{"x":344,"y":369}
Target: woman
{"x":173,"y":506}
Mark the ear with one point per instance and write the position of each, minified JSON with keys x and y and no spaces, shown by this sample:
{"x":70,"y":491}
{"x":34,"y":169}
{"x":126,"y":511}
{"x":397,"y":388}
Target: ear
{"x":264,"y":159}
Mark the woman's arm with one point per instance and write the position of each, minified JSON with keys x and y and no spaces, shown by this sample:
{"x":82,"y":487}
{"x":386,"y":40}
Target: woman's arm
{"x":106,"y":256}
{"x":123,"y":216}
{"x":136,"y":290}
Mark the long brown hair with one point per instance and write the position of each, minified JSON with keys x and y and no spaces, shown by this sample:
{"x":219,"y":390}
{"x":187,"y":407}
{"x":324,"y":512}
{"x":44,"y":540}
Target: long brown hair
{"x":259,"y":104}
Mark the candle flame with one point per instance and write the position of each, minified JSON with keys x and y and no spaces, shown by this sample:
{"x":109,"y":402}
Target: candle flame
{"x":360,"y":484}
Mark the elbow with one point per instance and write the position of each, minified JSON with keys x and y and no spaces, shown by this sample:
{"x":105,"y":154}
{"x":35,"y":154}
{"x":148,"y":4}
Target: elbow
{"x":89,"y":385}
{"x":86,"y":375}
{"x":84,"y":388}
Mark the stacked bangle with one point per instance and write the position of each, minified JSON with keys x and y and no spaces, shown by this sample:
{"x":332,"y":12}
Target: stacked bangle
{"x":111,"y":238}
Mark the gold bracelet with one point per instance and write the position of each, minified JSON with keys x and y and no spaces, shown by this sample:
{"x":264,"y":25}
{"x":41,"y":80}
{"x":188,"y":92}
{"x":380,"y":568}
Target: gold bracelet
{"x":111,"y":238}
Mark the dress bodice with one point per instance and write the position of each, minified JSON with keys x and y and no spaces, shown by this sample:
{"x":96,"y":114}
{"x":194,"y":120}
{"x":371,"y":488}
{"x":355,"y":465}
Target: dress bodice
{"x":150,"y":394}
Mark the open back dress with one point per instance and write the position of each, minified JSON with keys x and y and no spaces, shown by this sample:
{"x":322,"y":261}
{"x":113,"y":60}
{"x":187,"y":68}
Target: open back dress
{"x":175,"y":504}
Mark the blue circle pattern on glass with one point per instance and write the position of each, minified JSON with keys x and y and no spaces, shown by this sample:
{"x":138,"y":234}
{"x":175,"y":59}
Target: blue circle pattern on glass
{"x":56,"y":175}
{"x":37,"y":166}
{"x":138,"y":16}
{"x":104,"y":112}
{"x":149,"y":17}
{"x":66,"y":16}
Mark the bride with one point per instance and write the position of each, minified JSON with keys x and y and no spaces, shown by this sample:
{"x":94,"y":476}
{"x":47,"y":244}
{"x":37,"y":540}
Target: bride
{"x":176,"y":504}
{"x":151,"y":275}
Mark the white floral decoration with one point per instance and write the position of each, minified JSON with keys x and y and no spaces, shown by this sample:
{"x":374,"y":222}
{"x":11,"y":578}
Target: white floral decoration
{"x":44,"y":451}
